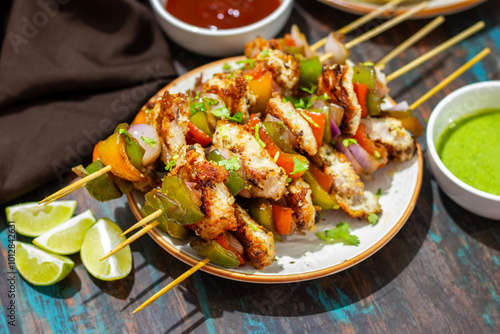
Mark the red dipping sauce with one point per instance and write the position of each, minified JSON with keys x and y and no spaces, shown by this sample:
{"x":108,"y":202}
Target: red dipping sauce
{"x":221,"y":14}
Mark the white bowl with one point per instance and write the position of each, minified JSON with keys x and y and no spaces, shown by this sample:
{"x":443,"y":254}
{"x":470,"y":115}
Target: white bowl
{"x":224,"y":42}
{"x":461,"y":102}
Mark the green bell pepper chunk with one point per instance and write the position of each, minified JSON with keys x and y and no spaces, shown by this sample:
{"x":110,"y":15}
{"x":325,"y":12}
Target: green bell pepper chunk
{"x":171,"y":209}
{"x":276,"y":131}
{"x":319,"y":195}
{"x":176,"y":189}
{"x":261,"y":211}
{"x":216,"y":253}
{"x":235,"y":183}
{"x":310,"y":70}
{"x":368,"y":76}
{"x":200,"y":121}
{"x":102,"y":188}
{"x":134,"y":150}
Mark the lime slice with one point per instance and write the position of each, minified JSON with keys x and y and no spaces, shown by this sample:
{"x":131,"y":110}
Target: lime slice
{"x":100,"y":239}
{"x":67,"y":238}
{"x":39,"y":267}
{"x":33,"y":220}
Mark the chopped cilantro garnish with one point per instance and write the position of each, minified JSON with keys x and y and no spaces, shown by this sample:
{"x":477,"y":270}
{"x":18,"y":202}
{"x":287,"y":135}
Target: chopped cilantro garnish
{"x":148,"y":111}
{"x":310,"y":90}
{"x":372,"y":218}
{"x":253,"y":226}
{"x":221,"y":112}
{"x":248,"y":77}
{"x":171,"y":164}
{"x":264,"y":53}
{"x":238,"y":117}
{"x":197,"y":106}
{"x":305,"y":102}
{"x":309,"y":119}
{"x":261,"y":143}
{"x":230,"y":164}
{"x":339,"y":232}
{"x":226,"y":67}
{"x":376,"y":154}
{"x":198,"y":93}
{"x":126,"y":134}
{"x":211,"y":102}
{"x":231,"y":75}
{"x":249,"y":62}
{"x":149,"y":141}
{"x":379,"y":192}
{"x":299,"y":166}
{"x":348,"y":141}
{"x":288,"y":179}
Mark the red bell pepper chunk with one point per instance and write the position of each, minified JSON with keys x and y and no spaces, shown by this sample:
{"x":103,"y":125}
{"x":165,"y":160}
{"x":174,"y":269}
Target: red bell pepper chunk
{"x":361,"y":91}
{"x":318,"y":127}
{"x":199,"y":136}
{"x":282,"y":218}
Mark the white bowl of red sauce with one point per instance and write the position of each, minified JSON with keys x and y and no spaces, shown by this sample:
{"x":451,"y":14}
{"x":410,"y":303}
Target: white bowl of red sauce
{"x":463,"y":146}
{"x":220,"y":28}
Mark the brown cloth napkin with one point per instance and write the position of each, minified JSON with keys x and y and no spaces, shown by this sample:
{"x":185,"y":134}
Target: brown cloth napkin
{"x":70,"y":71}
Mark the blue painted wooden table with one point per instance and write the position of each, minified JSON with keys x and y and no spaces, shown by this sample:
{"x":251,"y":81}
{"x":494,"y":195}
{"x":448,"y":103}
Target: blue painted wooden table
{"x":439,"y":274}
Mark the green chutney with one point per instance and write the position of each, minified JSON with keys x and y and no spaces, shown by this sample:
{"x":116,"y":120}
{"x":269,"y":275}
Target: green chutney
{"x":470,"y":148}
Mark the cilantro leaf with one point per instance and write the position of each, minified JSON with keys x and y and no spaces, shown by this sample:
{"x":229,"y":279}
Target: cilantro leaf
{"x":379,"y":192}
{"x":230,"y":164}
{"x":211,"y":102}
{"x":226,"y":67}
{"x":248,"y":77}
{"x":372,"y":218}
{"x":171,"y":164}
{"x":197,"y":106}
{"x":309,"y":119}
{"x":126,"y":134}
{"x":238,"y":117}
{"x":299,"y":166}
{"x":288,"y":179}
{"x":264,"y":53}
{"x":310,"y":90}
{"x":341,"y":231}
{"x":249,"y":62}
{"x":151,"y":142}
{"x":221,"y":112}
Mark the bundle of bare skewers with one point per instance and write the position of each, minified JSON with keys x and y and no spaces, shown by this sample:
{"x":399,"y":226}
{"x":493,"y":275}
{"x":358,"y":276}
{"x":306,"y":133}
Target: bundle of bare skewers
{"x":256,"y":152}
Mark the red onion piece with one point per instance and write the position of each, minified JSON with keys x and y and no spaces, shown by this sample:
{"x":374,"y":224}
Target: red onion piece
{"x":235,"y":244}
{"x":334,"y":129}
{"x":224,"y":153}
{"x":341,"y":148}
{"x":336,"y":112}
{"x":318,"y":104}
{"x":368,"y":162}
{"x":152,"y":150}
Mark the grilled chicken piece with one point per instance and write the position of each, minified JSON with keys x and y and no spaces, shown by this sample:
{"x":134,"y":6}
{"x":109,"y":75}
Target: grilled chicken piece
{"x":256,"y":240}
{"x":299,"y":199}
{"x":390,"y":133}
{"x":259,"y":44}
{"x":284,"y":68}
{"x":233,"y":90}
{"x":209,"y":178}
{"x":347,"y":186}
{"x":169,"y":118}
{"x":301,"y":128}
{"x":336,"y":82}
{"x":264,"y":178}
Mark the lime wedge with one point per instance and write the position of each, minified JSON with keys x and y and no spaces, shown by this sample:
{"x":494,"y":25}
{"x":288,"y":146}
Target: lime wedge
{"x":39,"y":267}
{"x":33,"y":220}
{"x":67,"y":238}
{"x":100,"y":239}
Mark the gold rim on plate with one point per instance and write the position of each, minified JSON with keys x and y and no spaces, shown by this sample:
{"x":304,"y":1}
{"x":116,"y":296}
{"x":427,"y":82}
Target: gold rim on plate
{"x":359,"y":7}
{"x":289,"y":278}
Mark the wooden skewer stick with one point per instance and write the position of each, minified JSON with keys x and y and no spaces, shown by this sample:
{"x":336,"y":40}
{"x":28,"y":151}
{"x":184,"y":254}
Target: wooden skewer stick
{"x":172,"y":284}
{"x":452,"y":41}
{"x":386,"y":26}
{"x":450,"y":78}
{"x":359,"y":22}
{"x":134,"y":237}
{"x":143,"y":221}
{"x":72,"y":187}
{"x":410,"y":41}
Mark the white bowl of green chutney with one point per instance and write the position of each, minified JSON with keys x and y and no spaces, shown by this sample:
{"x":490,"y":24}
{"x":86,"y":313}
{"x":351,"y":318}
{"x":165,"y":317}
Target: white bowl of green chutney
{"x":463,"y":147}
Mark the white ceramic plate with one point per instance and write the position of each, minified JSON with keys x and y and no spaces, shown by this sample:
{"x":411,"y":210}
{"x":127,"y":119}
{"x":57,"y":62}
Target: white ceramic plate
{"x":304,"y":257}
{"x":435,"y":7}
